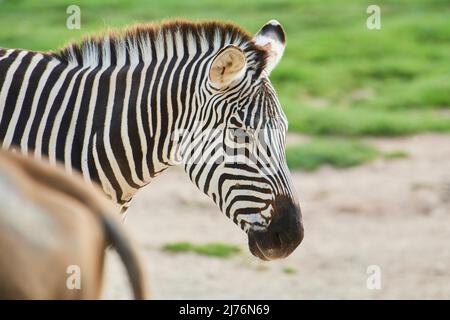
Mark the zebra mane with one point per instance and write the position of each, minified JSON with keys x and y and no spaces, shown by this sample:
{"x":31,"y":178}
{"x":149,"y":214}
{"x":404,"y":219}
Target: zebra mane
{"x":135,"y":44}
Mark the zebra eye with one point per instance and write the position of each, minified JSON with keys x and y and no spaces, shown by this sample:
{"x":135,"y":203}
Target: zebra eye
{"x":234,"y":122}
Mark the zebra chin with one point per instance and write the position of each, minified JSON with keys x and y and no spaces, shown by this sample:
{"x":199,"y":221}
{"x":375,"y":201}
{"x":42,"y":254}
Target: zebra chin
{"x":282,"y":236}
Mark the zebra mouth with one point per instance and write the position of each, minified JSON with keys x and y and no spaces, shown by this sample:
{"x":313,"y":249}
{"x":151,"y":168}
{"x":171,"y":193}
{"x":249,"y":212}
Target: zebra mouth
{"x":281,"y":237}
{"x":268,"y":247}
{"x":258,"y":251}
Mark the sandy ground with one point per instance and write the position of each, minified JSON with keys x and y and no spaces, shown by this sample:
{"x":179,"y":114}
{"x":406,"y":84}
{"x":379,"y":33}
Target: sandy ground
{"x":391,"y":213}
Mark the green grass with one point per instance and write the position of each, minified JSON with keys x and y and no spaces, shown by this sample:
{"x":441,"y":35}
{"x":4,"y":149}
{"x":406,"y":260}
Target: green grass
{"x":397,"y":154}
{"x":289,"y":270}
{"x":365,"y":122}
{"x":220,"y":250}
{"x":177,"y":247}
{"x":339,"y":153}
{"x":336,"y":152}
{"x":378,"y":83}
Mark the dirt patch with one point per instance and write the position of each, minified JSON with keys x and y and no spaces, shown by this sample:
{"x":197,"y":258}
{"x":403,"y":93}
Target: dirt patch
{"x":391,"y":213}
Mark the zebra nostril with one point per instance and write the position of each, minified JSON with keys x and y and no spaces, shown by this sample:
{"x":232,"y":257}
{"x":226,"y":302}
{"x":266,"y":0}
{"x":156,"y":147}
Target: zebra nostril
{"x":287,"y":221}
{"x":283,"y":235}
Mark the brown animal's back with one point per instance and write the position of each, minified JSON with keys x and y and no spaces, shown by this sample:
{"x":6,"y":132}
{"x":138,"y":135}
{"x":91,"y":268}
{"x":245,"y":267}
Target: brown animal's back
{"x":50,"y":221}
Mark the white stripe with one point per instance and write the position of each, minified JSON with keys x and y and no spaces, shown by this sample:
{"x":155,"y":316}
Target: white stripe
{"x":88,"y":125}
{"x":50,"y":102}
{"x":106,"y":58}
{"x":124,"y":127}
{"x":106,"y":185}
{"x":73,"y":123}
{"x":170,"y":125}
{"x":58,"y":118}
{"x":139,"y":121}
{"x":162,"y":52}
{"x":127,"y":190}
{"x":37,"y":95}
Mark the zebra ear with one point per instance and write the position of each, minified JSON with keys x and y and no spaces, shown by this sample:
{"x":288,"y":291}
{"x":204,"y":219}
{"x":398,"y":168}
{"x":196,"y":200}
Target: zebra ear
{"x":228,"y":66}
{"x":271,"y":37}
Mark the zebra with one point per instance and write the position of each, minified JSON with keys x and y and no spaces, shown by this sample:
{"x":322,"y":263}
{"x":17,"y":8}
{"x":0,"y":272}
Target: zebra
{"x":123,"y":106}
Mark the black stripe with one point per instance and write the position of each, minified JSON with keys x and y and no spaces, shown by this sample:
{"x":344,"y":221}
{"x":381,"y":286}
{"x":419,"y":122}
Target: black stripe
{"x":98,"y":121}
{"x":25,"y":112}
{"x":13,"y":93}
{"x":163,"y":116}
{"x":106,"y":167}
{"x":155,"y":118}
{"x":114,"y":133}
{"x":67,"y":117}
{"x":51,"y":80}
{"x":5,"y":64}
{"x":55,"y":107}
{"x":133,"y":131}
{"x":80,"y":127}
{"x":144,"y":105}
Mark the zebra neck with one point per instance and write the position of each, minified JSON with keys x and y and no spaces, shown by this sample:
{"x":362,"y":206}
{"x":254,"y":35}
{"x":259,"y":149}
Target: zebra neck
{"x":145,"y":106}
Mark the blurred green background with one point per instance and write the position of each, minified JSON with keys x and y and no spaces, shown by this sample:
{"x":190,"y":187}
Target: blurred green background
{"x":337,"y":78}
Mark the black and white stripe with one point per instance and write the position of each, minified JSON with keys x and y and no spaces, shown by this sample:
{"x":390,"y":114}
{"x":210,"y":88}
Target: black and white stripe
{"x":123,"y":107}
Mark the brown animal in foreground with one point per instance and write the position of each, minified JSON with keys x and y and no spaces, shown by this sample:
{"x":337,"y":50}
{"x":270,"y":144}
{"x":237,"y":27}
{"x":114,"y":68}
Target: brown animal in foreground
{"x":50,"y":221}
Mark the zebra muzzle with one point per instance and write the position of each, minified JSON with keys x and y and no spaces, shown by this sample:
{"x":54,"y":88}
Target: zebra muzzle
{"x":282,"y":236}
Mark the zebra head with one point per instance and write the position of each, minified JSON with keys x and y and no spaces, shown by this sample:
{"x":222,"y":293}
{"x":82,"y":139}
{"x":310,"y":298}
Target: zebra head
{"x":237,"y":147}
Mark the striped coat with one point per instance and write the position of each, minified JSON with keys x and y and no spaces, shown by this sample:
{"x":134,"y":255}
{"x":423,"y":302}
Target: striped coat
{"x":123,"y":107}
